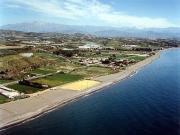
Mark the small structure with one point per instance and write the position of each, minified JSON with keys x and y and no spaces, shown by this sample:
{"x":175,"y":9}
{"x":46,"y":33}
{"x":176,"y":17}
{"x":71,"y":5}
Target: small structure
{"x":89,"y":46}
{"x":67,"y":49}
{"x":26,"y":54}
{"x":129,"y":46}
{"x":10,"y":93}
{"x":108,"y":48}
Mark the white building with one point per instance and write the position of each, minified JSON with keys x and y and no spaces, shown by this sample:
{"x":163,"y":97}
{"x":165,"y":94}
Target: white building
{"x":129,"y":46}
{"x":10,"y":93}
{"x":26,"y":54}
{"x":89,"y":46}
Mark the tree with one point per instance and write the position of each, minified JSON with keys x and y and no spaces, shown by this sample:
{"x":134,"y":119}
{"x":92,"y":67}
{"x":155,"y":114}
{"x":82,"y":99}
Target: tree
{"x":112,"y":57}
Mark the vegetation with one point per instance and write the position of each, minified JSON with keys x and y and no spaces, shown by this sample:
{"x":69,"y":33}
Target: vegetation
{"x":59,"y":62}
{"x":58,"y":79}
{"x":15,"y":66}
{"x":93,"y":71}
{"x":48,"y":56}
{"x":61,"y":55}
{"x":3,"y":99}
{"x":130,"y":57}
{"x":65,"y":53}
{"x":24,"y":88}
{"x":42,"y":71}
{"x":4,"y":81}
{"x":136,"y":58}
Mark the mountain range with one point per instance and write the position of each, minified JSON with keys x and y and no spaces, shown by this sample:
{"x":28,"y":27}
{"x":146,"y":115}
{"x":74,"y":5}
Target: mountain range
{"x":103,"y":31}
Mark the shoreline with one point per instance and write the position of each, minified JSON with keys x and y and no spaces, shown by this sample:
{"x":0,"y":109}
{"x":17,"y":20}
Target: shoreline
{"x":11,"y":115}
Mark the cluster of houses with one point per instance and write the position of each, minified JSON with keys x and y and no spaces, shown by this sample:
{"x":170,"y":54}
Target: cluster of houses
{"x":37,"y":42}
{"x":89,"y":46}
{"x":129,"y":46}
{"x":106,"y":62}
{"x":90,"y":61}
{"x":94,"y":46}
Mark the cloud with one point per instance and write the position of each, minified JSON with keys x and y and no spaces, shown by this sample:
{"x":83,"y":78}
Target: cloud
{"x":90,"y":12}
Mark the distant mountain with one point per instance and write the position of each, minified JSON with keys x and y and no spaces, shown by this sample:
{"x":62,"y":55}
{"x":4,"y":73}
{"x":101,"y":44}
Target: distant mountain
{"x":142,"y":33}
{"x":50,"y":27}
{"x":95,"y":30}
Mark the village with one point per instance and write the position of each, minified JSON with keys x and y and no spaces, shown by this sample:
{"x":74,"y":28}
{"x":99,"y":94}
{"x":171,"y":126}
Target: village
{"x":32,"y":62}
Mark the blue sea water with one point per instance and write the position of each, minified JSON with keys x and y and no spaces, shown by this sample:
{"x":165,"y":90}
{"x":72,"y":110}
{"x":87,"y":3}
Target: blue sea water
{"x":148,"y":103}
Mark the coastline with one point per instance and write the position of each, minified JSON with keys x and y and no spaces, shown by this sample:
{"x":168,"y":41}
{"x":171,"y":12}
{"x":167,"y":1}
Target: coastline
{"x":17,"y":112}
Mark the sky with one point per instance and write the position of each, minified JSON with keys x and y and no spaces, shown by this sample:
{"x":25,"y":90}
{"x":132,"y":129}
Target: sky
{"x":114,"y":13}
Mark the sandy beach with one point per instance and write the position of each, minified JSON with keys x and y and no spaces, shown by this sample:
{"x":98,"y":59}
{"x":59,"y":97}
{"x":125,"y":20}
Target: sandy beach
{"x":19,"y":111}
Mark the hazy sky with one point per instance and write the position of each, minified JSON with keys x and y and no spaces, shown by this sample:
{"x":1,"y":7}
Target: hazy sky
{"x":119,"y":13}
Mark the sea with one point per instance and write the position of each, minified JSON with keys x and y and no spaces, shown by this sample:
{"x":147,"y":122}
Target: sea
{"x":147,"y":103}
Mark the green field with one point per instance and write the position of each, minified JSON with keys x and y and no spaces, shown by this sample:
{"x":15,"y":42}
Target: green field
{"x":24,"y":88}
{"x":42,"y":71}
{"x":136,"y":58}
{"x":3,"y":99}
{"x":53,"y":80}
{"x":50,"y":56}
{"x":4,"y":81}
{"x":58,"y":63}
{"x":130,"y":57}
{"x":93,"y":71}
{"x":58,"y":79}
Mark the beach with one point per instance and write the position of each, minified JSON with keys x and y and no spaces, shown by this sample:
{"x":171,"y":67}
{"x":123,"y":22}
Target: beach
{"x":19,"y":111}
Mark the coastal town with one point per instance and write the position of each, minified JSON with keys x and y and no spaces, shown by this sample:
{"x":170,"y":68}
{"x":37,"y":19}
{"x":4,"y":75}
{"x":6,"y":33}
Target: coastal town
{"x":30,"y":61}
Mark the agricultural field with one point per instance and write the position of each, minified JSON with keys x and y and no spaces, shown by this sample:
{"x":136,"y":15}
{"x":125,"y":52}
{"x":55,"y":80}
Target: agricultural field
{"x":118,"y":54}
{"x":49,"y":56}
{"x":43,"y":63}
{"x":93,"y":71}
{"x":130,"y":57}
{"x":7,"y":58}
{"x":51,"y":81}
{"x":96,"y":54}
{"x":4,"y":81}
{"x":24,"y":88}
{"x":59,"y":63}
{"x":58,"y":79}
{"x":136,"y":58}
{"x":42,"y":71}
{"x":15,"y":65}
